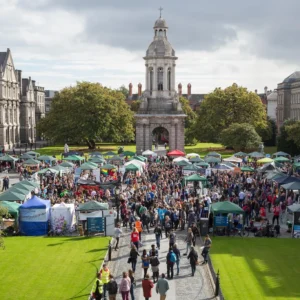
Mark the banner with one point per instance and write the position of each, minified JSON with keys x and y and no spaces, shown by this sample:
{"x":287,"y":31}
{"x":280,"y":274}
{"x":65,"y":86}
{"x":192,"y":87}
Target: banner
{"x":221,"y":221}
{"x":296,"y":227}
{"x":95,"y":224}
{"x":93,"y":214}
{"x":33,"y":215}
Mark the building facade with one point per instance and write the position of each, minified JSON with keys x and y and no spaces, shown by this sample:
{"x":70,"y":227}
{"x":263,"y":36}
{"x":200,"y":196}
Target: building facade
{"x":49,"y":95}
{"x":160,"y":118}
{"x":17,"y":104}
{"x":288,"y":106}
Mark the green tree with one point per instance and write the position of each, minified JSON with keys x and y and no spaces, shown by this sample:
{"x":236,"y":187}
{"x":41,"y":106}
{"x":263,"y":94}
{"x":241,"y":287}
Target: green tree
{"x":284,"y":141}
{"x":271,"y":138}
{"x":223,"y":107}
{"x":135,"y":105}
{"x":190,"y":120}
{"x":240,"y":137}
{"x":86,"y":113}
{"x":293,"y":133}
{"x":123,"y":90}
{"x":3,"y":213}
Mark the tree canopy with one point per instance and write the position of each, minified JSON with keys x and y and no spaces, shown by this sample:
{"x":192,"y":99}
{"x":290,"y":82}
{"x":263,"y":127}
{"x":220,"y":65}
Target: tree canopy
{"x":88,"y":112}
{"x":240,"y":137}
{"x":224,"y":107}
{"x":293,"y":133}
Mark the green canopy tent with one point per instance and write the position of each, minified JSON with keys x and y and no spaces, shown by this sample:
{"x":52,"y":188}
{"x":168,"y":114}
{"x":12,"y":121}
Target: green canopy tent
{"x":32,"y":153}
{"x":295,"y":185}
{"x":28,"y":183}
{"x":87,"y":166}
{"x":128,"y":153}
{"x":95,"y":153}
{"x":24,"y":190}
{"x":202,"y":164}
{"x":247,"y":169}
{"x":9,"y":158}
{"x":141,"y":158}
{"x":115,"y":158}
{"x":26,"y":156}
{"x":280,"y":153}
{"x":191,"y":168}
{"x":12,"y":207}
{"x":195,"y":177}
{"x":132,"y":167}
{"x":241,"y":154}
{"x":92,"y":163}
{"x":50,"y":170}
{"x":92,"y":206}
{"x":214,"y":154}
{"x":109,"y":153}
{"x":274,"y":174}
{"x":61,"y":169}
{"x":212,"y":159}
{"x":108,"y":167}
{"x":67,"y":164}
{"x":46,"y":158}
{"x":12,"y":196}
{"x":97,"y":160}
{"x":31,"y":162}
{"x":256,"y":154}
{"x":294,"y":208}
{"x":281,"y":159}
{"x":196,"y":159}
{"x":182,"y":163}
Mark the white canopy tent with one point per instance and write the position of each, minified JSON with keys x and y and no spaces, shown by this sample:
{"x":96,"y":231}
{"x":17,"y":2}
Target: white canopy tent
{"x":189,"y":155}
{"x":180,"y":159}
{"x":136,"y":162}
{"x":149,"y":153}
{"x":233,"y":159}
{"x":62,"y":215}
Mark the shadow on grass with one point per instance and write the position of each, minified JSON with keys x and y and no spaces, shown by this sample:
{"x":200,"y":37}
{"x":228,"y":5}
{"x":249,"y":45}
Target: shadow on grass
{"x":97,"y":250}
{"x":272,"y":261}
{"x":55,"y":244}
{"x":79,"y":296}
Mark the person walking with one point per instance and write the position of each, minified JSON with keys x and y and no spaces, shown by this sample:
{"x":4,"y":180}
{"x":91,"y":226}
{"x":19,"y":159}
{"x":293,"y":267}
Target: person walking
{"x":147,"y":286}
{"x":97,"y":288}
{"x":118,"y":232}
{"x":276,"y":212}
{"x":189,"y":240}
{"x":177,"y":253}
{"x":196,"y":233}
{"x":154,"y":261}
{"x":105,"y":278}
{"x":207,"y":245}
{"x":145,"y":262}
{"x":112,"y":288}
{"x":135,"y":238}
{"x":193,"y":257}
{"x":158,"y":235}
{"x":133,"y":257}
{"x":132,"y":287}
{"x":172,"y":238}
{"x":124,"y":287}
{"x":139,"y":227}
{"x":162,"y":287}
{"x":171,"y":260}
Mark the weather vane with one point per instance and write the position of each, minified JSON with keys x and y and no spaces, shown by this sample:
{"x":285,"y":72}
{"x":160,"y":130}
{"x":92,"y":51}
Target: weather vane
{"x":160,"y":10}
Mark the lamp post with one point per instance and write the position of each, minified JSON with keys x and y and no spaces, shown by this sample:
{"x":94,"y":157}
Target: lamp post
{"x":117,"y":190}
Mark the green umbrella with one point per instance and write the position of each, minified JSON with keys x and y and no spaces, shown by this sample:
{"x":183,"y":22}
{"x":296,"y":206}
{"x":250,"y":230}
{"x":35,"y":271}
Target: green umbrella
{"x":196,"y":159}
{"x":26,"y":156}
{"x":11,"y":196}
{"x":92,"y":164}
{"x":195,"y":177}
{"x":212,"y":159}
{"x":141,"y":158}
{"x":33,"y":153}
{"x":132,"y":167}
{"x":128,"y":153}
{"x":67,"y":164}
{"x":46,"y":158}
{"x":116,"y":158}
{"x":191,"y":168}
{"x":97,"y":160}
{"x":31,"y":162}
{"x":74,"y":158}
{"x":281,"y":159}
{"x":280,"y":153}
{"x":87,"y":166}
{"x":295,"y":185}
{"x":247,"y":169}
{"x":51,"y":170}
{"x":182,"y":163}
{"x":59,"y":168}
{"x":8,"y":158}
{"x":108,"y":167}
{"x":256,"y":154}
{"x":202,"y":164}
{"x":109,"y":153}
{"x":214,"y":154}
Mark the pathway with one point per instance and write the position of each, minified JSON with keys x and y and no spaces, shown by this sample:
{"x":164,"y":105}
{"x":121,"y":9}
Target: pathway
{"x":192,"y":288}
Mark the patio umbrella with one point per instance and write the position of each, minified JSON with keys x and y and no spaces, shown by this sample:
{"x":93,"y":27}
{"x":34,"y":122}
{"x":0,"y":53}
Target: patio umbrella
{"x":214,"y":154}
{"x":292,"y":185}
{"x":148,"y":152}
{"x":229,"y":163}
{"x":92,"y":163}
{"x":8,"y":158}
{"x":281,"y":159}
{"x":46,"y":158}
{"x":87,"y":166}
{"x":247,"y":169}
{"x":177,"y":159}
{"x":195,"y":177}
{"x":202,"y":164}
{"x":212,"y":159}
{"x":191,"y":168}
{"x":182,"y":163}
{"x":67,"y":164}
{"x":265,"y":160}
{"x":108,"y":167}
{"x":242,"y":154}
{"x":233,"y":159}
{"x":116,"y":158}
{"x":12,"y":196}
{"x":60,"y":168}
{"x":96,"y":153}
{"x":97,"y":160}
{"x":74,"y":158}
{"x":50,"y":170}
{"x":26,"y":156}
{"x":222,"y":167}
{"x":256,"y":155}
{"x":192,"y":155}
{"x":280,"y":153}
{"x":175,"y":153}
{"x":196,"y":159}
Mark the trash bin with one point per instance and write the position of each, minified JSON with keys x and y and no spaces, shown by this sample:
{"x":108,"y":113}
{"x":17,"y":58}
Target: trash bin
{"x":204,"y":226}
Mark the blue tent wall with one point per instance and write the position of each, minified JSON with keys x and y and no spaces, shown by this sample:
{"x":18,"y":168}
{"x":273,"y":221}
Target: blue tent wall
{"x":34,"y":228}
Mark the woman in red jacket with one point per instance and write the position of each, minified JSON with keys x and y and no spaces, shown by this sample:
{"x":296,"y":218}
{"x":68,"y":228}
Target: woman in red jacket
{"x":135,"y":238}
{"x":147,"y":285}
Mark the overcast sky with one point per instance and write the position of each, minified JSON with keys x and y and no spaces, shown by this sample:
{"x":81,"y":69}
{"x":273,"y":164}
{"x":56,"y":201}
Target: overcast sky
{"x":58,"y":42}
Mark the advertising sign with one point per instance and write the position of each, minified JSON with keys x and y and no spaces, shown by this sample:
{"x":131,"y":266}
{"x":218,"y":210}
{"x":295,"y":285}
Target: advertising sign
{"x":95,"y":224}
{"x":296,"y":227}
{"x":221,"y":221}
{"x":33,"y":215}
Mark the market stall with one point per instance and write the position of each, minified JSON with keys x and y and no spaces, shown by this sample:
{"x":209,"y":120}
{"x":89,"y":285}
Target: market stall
{"x":63,"y":217}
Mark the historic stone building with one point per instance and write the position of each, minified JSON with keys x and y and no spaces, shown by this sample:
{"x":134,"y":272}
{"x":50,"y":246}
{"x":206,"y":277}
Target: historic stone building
{"x":21,"y":103}
{"x":288,"y":99}
{"x":160,"y":117}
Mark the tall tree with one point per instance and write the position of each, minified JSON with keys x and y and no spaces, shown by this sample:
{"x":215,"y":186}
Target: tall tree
{"x":223,"y":107}
{"x":86,"y":113}
{"x":3,"y":213}
{"x":284,"y":141}
{"x":190,"y":120}
{"x":293,"y":133}
{"x":240,"y":137}
{"x":124,"y":90}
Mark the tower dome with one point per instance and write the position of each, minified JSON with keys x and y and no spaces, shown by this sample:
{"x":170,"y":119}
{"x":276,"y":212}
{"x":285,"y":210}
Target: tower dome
{"x":160,"y":23}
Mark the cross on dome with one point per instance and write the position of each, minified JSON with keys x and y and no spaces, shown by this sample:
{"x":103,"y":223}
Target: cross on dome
{"x":160,"y":10}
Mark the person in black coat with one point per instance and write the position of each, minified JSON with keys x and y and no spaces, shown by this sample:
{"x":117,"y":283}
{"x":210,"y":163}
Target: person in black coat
{"x":193,"y":257}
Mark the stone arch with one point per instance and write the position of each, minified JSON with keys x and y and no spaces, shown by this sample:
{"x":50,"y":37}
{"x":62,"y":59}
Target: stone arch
{"x":160,"y":134}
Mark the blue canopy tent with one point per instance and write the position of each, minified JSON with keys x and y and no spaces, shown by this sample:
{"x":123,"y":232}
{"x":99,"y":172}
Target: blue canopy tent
{"x":34,"y":216}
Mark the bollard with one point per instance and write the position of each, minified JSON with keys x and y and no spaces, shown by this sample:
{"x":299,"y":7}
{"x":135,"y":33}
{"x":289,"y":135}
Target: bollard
{"x":109,"y":252}
{"x":217,"y":284}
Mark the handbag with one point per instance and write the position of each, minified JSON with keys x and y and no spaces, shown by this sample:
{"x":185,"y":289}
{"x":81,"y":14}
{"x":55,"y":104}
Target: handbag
{"x":129,"y":260}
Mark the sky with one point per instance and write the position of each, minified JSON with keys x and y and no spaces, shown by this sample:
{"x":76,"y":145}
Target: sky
{"x":58,"y":42}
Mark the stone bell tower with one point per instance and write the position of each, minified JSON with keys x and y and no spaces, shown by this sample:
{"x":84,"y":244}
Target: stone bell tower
{"x":160,"y":118}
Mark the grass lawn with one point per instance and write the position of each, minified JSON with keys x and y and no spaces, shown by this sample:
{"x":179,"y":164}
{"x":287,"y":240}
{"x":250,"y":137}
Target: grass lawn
{"x":258,"y":268}
{"x":201,"y":148}
{"x":55,"y":268}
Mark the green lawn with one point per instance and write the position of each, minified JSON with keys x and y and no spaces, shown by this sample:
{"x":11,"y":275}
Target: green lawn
{"x":57,"y":268}
{"x":201,"y":148}
{"x":258,"y":268}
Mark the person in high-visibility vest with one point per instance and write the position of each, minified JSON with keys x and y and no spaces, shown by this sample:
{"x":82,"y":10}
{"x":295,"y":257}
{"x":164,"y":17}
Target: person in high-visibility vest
{"x":98,"y":288}
{"x":139,"y":227}
{"x":105,"y":278}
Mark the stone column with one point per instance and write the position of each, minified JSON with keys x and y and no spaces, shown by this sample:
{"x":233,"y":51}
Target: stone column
{"x":173,"y":77}
{"x":154,"y":78}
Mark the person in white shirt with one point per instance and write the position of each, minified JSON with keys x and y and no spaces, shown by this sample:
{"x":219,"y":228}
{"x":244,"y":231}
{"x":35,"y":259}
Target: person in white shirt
{"x":118,"y":232}
{"x":241,"y":198}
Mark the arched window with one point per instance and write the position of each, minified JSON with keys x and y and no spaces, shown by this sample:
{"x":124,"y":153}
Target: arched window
{"x":160,"y":33}
{"x":151,"y":78}
{"x":160,"y":79}
{"x":169,"y":79}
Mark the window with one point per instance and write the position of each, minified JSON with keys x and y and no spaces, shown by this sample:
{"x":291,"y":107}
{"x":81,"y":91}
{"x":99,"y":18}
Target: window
{"x":160,"y":78}
{"x":169,"y":79}
{"x":151,"y":78}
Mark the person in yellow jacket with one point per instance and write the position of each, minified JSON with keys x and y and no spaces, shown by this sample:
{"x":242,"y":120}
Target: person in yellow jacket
{"x":139,"y":227}
{"x":97,"y":290}
{"x":104,"y":273}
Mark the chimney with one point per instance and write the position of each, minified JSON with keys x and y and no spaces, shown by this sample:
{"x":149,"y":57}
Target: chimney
{"x":139,"y":89}
{"x":266,"y":90}
{"x":189,"y":90}
{"x":255,"y":91}
{"x":19,"y":78}
{"x":130,"y":89}
{"x":180,"y":89}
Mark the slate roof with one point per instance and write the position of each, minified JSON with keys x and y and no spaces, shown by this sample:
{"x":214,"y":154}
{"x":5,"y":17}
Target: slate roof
{"x":160,"y":23}
{"x":2,"y":58}
{"x":293,"y":77}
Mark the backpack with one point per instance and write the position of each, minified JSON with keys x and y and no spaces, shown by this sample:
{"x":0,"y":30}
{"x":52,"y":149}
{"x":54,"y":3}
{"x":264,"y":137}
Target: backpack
{"x":173,"y":257}
{"x":113,"y":288}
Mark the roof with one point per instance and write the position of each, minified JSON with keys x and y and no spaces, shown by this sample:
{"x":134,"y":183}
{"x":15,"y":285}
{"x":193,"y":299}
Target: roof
{"x":226,"y":207}
{"x":3,"y":56}
{"x":160,"y":23}
{"x":293,"y":77}
{"x":160,"y":47}
{"x":272,"y":96}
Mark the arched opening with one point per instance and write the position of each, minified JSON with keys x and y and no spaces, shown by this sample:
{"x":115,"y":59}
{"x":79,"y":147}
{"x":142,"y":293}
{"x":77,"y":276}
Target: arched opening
{"x":160,"y":136}
{"x":160,"y":33}
{"x":169,"y":79}
{"x":151,"y":78}
{"x":160,"y":79}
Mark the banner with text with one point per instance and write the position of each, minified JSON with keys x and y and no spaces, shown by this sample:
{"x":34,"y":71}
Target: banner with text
{"x":33,"y":215}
